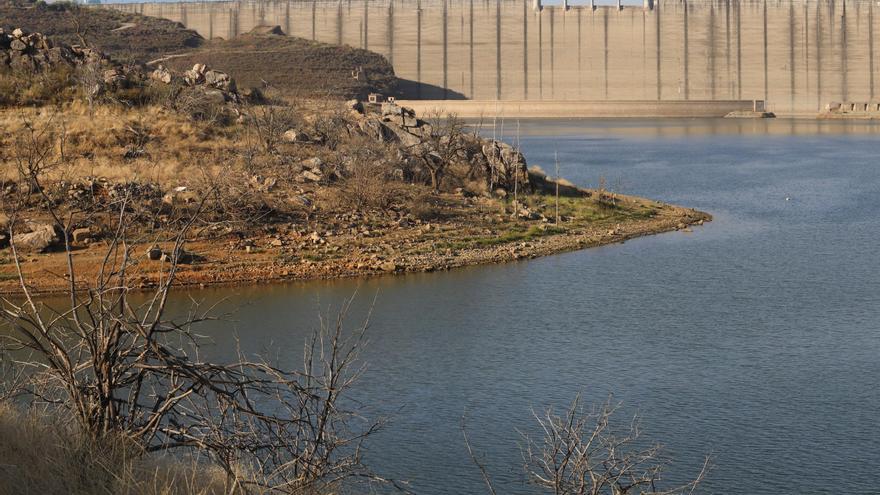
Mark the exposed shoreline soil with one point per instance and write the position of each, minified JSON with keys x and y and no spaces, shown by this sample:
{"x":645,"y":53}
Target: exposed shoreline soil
{"x":223,"y":262}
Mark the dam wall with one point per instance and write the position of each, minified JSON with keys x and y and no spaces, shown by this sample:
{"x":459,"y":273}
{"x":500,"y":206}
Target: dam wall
{"x":797,"y":55}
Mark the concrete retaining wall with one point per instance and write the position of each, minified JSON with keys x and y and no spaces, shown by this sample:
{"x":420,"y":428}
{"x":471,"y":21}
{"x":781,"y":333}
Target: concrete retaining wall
{"x":796,"y":54}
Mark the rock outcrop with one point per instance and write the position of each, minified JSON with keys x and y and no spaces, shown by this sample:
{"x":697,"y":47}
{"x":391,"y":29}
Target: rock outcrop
{"x":32,"y":52}
{"x":500,"y":164}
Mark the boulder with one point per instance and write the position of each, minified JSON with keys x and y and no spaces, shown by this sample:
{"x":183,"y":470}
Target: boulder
{"x":403,"y":136}
{"x":311,"y":176}
{"x":82,"y":236}
{"x":39,"y":240}
{"x":162,"y":75}
{"x":388,"y":266}
{"x":294,"y":136}
{"x":113,"y":76}
{"x":355,"y":106}
{"x":219,"y":80}
{"x":18,"y":45}
{"x":389,"y":108}
{"x":312,"y":163}
{"x":154,"y":253}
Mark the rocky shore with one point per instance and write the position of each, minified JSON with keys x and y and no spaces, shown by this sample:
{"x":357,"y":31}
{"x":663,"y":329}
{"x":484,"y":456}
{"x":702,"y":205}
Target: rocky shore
{"x":394,"y":249}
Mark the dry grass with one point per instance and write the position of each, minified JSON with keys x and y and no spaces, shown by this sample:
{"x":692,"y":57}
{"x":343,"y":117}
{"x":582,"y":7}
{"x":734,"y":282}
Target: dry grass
{"x":96,"y":142}
{"x":41,"y":456}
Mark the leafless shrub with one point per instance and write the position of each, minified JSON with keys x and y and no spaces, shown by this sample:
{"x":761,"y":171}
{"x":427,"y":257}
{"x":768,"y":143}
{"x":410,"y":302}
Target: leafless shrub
{"x":423,"y":207}
{"x":372,"y":174}
{"x":585,"y":452}
{"x":269,"y":123}
{"x":202,"y":106}
{"x":133,"y":138}
{"x":331,"y":126}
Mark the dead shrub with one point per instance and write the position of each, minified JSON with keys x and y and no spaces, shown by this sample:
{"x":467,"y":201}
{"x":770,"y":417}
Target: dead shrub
{"x":269,"y":123}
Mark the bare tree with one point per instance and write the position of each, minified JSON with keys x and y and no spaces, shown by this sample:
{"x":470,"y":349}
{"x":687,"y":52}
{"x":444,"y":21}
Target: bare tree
{"x":585,"y":453}
{"x":443,"y":145}
{"x":556,"y":159}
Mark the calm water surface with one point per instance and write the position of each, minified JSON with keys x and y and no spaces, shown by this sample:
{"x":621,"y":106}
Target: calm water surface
{"x":755,"y":338}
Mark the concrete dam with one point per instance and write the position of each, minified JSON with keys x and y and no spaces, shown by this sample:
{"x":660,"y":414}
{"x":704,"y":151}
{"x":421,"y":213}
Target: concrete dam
{"x":797,"y":55}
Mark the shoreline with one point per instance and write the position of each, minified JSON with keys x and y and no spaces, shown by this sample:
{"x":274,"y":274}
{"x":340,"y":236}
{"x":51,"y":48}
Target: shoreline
{"x":228,"y":267}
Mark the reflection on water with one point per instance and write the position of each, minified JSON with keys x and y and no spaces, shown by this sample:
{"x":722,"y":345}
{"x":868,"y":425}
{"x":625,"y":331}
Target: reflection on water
{"x":755,"y":338}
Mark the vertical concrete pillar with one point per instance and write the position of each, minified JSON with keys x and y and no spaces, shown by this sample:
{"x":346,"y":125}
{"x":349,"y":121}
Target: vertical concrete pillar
{"x":540,"y":57}
{"x":445,"y":49}
{"x":497,"y":49}
{"x":537,"y":6}
{"x":619,"y":5}
{"x":844,"y":65}
{"x":791,"y":59}
{"x":659,"y":54}
{"x":871,"y":49}
{"x":287,"y":18}
{"x":339,"y":23}
{"x":766,"y":78}
{"x":552,"y":22}
{"x":727,"y":49}
{"x":366,"y":25}
{"x":419,"y":49}
{"x":525,"y":36}
{"x":818,"y":56}
{"x":390,"y":30}
{"x":684,"y":56}
{"x":738,"y":51}
{"x":471,"y":49}
{"x":649,"y":4}
{"x":580,"y":57}
{"x":593,"y":4}
{"x":605,"y":52}
{"x":314,"y":13}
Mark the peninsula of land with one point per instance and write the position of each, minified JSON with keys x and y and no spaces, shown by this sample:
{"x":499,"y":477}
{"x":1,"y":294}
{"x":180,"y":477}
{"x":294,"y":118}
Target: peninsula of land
{"x":234,"y":182}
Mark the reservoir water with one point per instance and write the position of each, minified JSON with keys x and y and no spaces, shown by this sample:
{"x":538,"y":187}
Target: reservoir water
{"x":755,"y":338}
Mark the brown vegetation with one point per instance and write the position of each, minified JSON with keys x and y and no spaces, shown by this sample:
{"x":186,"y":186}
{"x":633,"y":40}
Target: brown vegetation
{"x":40,"y":454}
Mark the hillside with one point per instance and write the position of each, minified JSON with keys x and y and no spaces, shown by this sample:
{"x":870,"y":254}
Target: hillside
{"x":295,"y":67}
{"x":127,"y":37}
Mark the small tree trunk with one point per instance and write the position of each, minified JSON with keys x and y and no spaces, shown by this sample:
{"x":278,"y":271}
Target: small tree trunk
{"x":435,"y":181}
{"x":556,"y":157}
